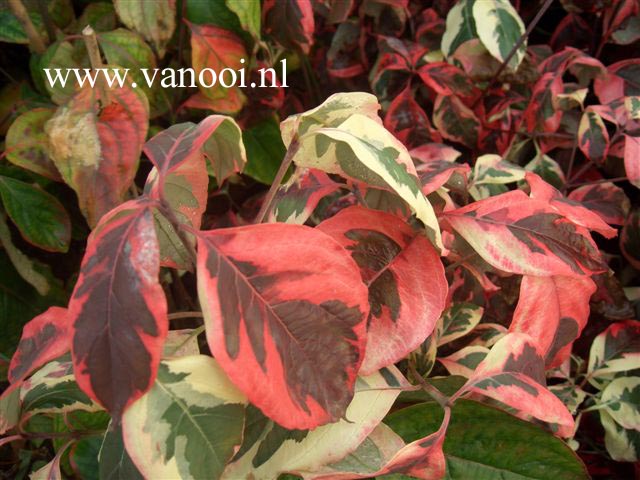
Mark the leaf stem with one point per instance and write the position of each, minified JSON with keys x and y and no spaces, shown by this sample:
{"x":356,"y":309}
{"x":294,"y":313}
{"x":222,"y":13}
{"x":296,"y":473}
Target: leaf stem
{"x":179,"y":315}
{"x":35,"y":40}
{"x":284,"y":166}
{"x":91,"y":42}
{"x":436,"y":394}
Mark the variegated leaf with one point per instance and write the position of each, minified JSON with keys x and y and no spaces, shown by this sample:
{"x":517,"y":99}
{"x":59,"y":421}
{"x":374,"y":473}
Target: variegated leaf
{"x":26,"y":143}
{"x":455,"y":121}
{"x":576,"y":213}
{"x":95,"y":141}
{"x":335,"y":139}
{"x":371,"y":455}
{"x":606,"y":199}
{"x":513,"y":374}
{"x":526,"y":236}
{"x":51,"y":471}
{"x":296,"y":200}
{"x":405,"y":278}
{"x":464,"y":361}
{"x":46,"y":337}
{"x":179,"y":177}
{"x":630,"y":238}
{"x":558,"y":320}
{"x":53,"y":389}
{"x":217,"y":50}
{"x":458,"y":320}
{"x":622,"y":400}
{"x":490,"y":171}
{"x":118,"y":309}
{"x":189,"y":424}
{"x":623,"y":445}
{"x":617,"y":349}
{"x":269,"y":449}
{"x":499,"y":28}
{"x":285,"y":310}
{"x":593,"y":138}
{"x":460,"y":27}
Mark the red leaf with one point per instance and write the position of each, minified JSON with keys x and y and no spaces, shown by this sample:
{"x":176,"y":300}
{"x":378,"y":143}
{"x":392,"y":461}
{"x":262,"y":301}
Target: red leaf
{"x":405,"y":277}
{"x":526,"y":236}
{"x":621,"y":80}
{"x":605,"y":199}
{"x":290,"y":23}
{"x":285,"y":311}
{"x":220,"y":51}
{"x":409,"y":122}
{"x":542,"y":112}
{"x":446,"y":79}
{"x":95,"y":141}
{"x":455,"y":121}
{"x":558,"y":320}
{"x":44,"y":338}
{"x":118,"y":309}
{"x":632,"y":159}
{"x":513,"y":374}
{"x":576,"y":213}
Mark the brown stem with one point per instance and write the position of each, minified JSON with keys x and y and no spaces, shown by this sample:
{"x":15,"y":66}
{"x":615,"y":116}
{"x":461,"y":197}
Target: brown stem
{"x":572,"y":159}
{"x":284,"y":166}
{"x":35,"y":40}
{"x":515,"y":48}
{"x":91,"y":42}
{"x":436,"y":394}
{"x":178,"y":315}
{"x":43,"y":9}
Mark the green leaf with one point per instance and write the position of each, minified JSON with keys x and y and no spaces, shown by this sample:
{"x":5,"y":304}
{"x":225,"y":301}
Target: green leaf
{"x":483,"y":442}
{"x":127,"y":49}
{"x":26,"y":143}
{"x":248,"y":12}
{"x":213,"y":12}
{"x":23,"y":264}
{"x":40,"y":217}
{"x":84,"y":458}
{"x":115,"y":463}
{"x":155,"y":21}
{"x":265,"y":150}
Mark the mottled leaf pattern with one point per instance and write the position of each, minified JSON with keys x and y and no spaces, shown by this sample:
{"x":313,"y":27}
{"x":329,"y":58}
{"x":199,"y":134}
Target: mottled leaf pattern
{"x":95,"y":141}
{"x":513,"y":374}
{"x":155,"y":21}
{"x":118,"y":309}
{"x":269,"y":450}
{"x":617,"y":349}
{"x":189,"y":424}
{"x":296,"y":200}
{"x":335,"y":139}
{"x":558,"y":320}
{"x":216,"y":49}
{"x":522,"y":235}
{"x":407,"y":286}
{"x":44,"y":338}
{"x":285,"y":311}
